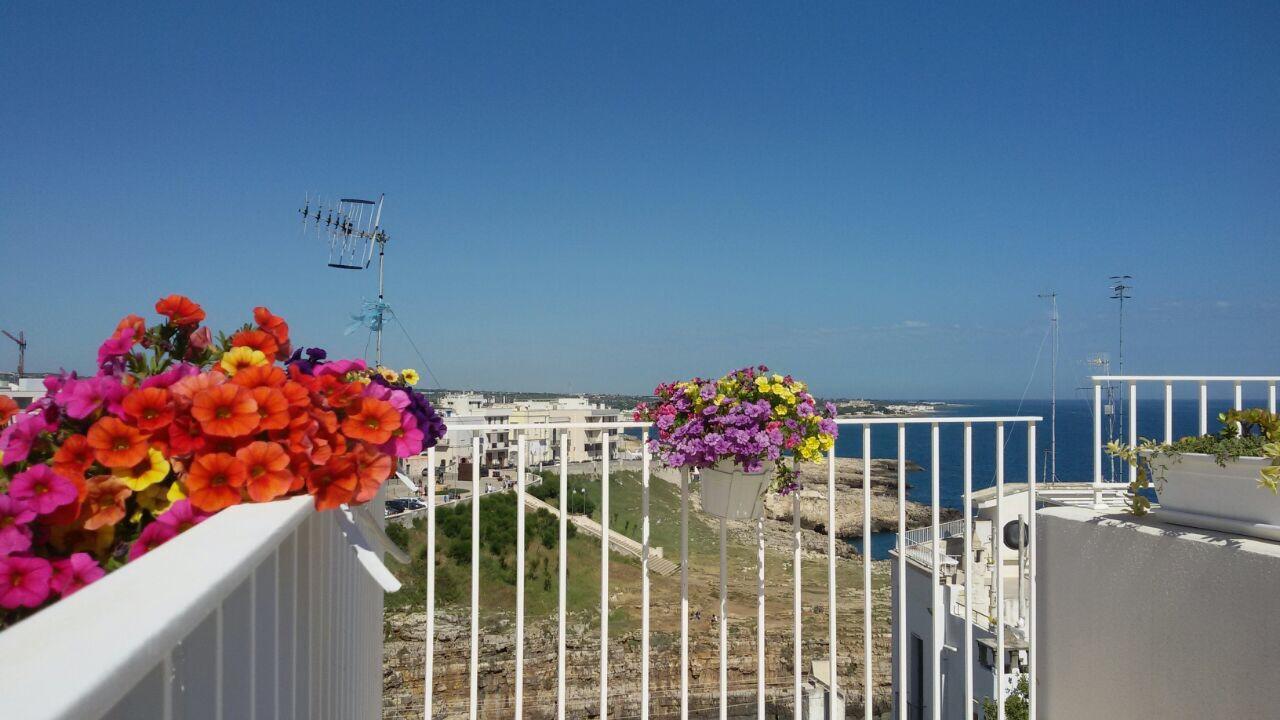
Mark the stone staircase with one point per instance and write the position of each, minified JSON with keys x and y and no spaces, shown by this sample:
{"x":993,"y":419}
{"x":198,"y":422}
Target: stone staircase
{"x":617,"y":541}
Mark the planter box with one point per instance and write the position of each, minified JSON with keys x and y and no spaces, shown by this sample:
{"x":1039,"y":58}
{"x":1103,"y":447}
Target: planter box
{"x":1199,"y":493}
{"x":731,"y":493}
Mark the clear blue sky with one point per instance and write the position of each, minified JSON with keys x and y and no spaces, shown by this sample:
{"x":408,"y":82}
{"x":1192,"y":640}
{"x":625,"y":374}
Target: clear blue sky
{"x":599,"y":196}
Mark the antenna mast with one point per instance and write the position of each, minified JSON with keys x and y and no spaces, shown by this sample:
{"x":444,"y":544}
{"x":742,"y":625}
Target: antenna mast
{"x":1053,"y":387}
{"x":1120,"y":288}
{"x":352,"y":228}
{"x":21,"y":340}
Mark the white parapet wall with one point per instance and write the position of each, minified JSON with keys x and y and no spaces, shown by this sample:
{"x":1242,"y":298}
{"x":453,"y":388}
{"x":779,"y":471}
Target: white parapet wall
{"x":1141,"y":619}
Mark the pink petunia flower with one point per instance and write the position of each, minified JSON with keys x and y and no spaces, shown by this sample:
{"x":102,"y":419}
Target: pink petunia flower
{"x":171,"y":376}
{"x":15,"y":515}
{"x":407,"y":441}
{"x":180,"y":516}
{"x":71,"y":574}
{"x":24,"y":581}
{"x":116,"y":346}
{"x":43,"y":489}
{"x":17,"y":439}
{"x":81,"y":398}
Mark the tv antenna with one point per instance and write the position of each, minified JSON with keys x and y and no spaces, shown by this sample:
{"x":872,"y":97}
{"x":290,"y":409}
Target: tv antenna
{"x":21,"y":340}
{"x":1052,"y":297}
{"x":352,"y":227}
{"x":1120,"y":288}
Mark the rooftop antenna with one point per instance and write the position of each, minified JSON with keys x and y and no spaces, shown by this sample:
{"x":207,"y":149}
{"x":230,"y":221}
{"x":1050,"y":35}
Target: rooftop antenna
{"x":21,"y":340}
{"x":1103,"y":363}
{"x":1053,"y":386}
{"x":1120,"y":288}
{"x":352,"y":227}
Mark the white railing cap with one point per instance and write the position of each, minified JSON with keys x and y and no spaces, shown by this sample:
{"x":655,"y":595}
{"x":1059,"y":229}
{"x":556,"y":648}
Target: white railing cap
{"x":80,"y":656}
{"x":1187,"y":378}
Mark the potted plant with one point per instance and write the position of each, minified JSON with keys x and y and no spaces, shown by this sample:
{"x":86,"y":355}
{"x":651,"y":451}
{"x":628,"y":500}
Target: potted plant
{"x":175,"y":426}
{"x":728,"y":429}
{"x":1212,"y":481}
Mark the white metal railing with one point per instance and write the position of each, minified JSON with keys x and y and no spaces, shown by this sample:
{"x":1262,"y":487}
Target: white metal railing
{"x":264,"y":610}
{"x":997,"y":425}
{"x":919,"y":536}
{"x":1168,"y":381}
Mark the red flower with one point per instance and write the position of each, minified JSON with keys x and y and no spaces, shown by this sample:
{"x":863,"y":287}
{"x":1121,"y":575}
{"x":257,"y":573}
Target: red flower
{"x":184,"y":438}
{"x":8,"y":408}
{"x":259,"y":376}
{"x":297,"y":395}
{"x":151,"y":409}
{"x":267,"y":466}
{"x":334,"y":483}
{"x":73,"y":457}
{"x":225,"y":411}
{"x":272,"y":324}
{"x":258,"y":340}
{"x":373,"y":422}
{"x":273,"y":408}
{"x":214,"y":481}
{"x":372,"y":469}
{"x":180,"y":310}
{"x":115,"y":444}
{"x":132,"y":322}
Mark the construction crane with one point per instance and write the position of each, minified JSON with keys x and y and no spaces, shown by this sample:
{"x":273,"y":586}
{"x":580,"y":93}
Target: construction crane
{"x":21,"y":340}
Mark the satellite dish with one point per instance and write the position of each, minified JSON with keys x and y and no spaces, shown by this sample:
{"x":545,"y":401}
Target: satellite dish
{"x":1016,"y":535}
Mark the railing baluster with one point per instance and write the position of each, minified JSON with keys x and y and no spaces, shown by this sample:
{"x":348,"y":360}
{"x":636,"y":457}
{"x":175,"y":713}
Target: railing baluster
{"x":968,"y":568}
{"x":1031,"y":565}
{"x":1271,"y":397}
{"x":476,"y":491}
{"x":684,"y":594}
{"x":724,"y":621}
{"x":604,"y":576}
{"x":428,"y":689}
{"x":935,"y":593}
{"x":644,"y":575}
{"x":520,"y":572}
{"x":1168,"y":412}
{"x":1204,"y":408}
{"x":1097,"y":444}
{"x":1239,"y":403}
{"x":562,"y":570}
{"x":797,"y":651}
{"x":997,"y":576}
{"x":760,"y":673}
{"x":902,"y":572}
{"x":1133,"y":425}
{"x":868,"y":690}
{"x":833,"y":676}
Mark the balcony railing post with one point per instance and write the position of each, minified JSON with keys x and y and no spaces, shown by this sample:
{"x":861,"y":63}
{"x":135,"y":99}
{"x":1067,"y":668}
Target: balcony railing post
{"x":1097,"y":444}
{"x":935,"y":493}
{"x":1204,"y":408}
{"x":520,"y":573}
{"x":562,"y":571}
{"x":1168,"y":413}
{"x":428,"y":680}
{"x":1031,"y":568}
{"x":968,"y":569}
{"x":901,"y":631}
{"x":997,"y":576}
{"x":644,"y":575}
{"x":796,"y":607}
{"x":1133,"y":425}
{"x":831,"y":571}
{"x":476,"y":491}
{"x":684,"y":594}
{"x":868,"y":690}
{"x":604,"y":576}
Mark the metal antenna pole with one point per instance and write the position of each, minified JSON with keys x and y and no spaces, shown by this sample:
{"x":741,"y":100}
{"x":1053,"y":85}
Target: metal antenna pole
{"x":1120,"y":291}
{"x":1053,"y":388}
{"x":382,"y":253}
{"x":21,"y":340}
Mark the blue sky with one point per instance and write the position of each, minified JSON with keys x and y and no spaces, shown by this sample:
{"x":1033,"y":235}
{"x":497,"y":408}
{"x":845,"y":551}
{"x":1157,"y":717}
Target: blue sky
{"x":600,"y":196}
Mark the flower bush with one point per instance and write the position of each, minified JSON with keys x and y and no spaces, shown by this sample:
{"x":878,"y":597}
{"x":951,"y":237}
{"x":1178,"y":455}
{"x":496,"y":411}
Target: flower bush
{"x":177,"y":425}
{"x":748,"y":416}
{"x":1235,"y":440}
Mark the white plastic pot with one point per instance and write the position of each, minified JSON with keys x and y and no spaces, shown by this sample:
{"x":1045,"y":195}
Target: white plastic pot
{"x":1198,"y":492}
{"x":731,"y":493}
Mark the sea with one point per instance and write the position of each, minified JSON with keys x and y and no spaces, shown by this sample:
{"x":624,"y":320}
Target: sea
{"x":1074,"y":445}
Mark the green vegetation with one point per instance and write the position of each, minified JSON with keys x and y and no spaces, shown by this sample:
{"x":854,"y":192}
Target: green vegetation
{"x":580,"y":502}
{"x":1016,"y":707}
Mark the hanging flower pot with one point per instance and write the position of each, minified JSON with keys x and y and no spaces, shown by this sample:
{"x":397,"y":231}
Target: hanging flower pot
{"x":731,"y":493}
{"x":731,"y":428}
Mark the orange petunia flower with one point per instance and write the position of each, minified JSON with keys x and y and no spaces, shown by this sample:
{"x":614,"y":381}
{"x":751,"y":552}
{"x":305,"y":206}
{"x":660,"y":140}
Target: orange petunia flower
{"x":273,"y":409}
{"x":73,"y":457}
{"x":272,"y":324}
{"x":8,"y":408}
{"x":225,"y":411}
{"x":75,"y":537}
{"x":258,"y":340}
{"x":296,"y":394}
{"x":267,"y":465}
{"x":135,"y":323}
{"x":151,"y":409}
{"x":214,"y":481}
{"x":180,"y":310}
{"x":104,"y":502}
{"x":188,"y":387}
{"x":373,"y":422}
{"x":372,"y":469}
{"x":259,"y":376}
{"x":184,"y":437}
{"x":115,"y":444}
{"x":334,"y":483}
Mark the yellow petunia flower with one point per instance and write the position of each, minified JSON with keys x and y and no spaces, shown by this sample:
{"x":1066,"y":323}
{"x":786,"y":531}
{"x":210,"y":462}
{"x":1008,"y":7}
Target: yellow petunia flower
{"x":238,"y":358}
{"x":410,"y":376}
{"x":388,"y":374}
{"x":150,"y":471}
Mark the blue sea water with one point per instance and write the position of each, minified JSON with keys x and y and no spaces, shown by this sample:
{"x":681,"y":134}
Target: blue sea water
{"x":1074,"y":446}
